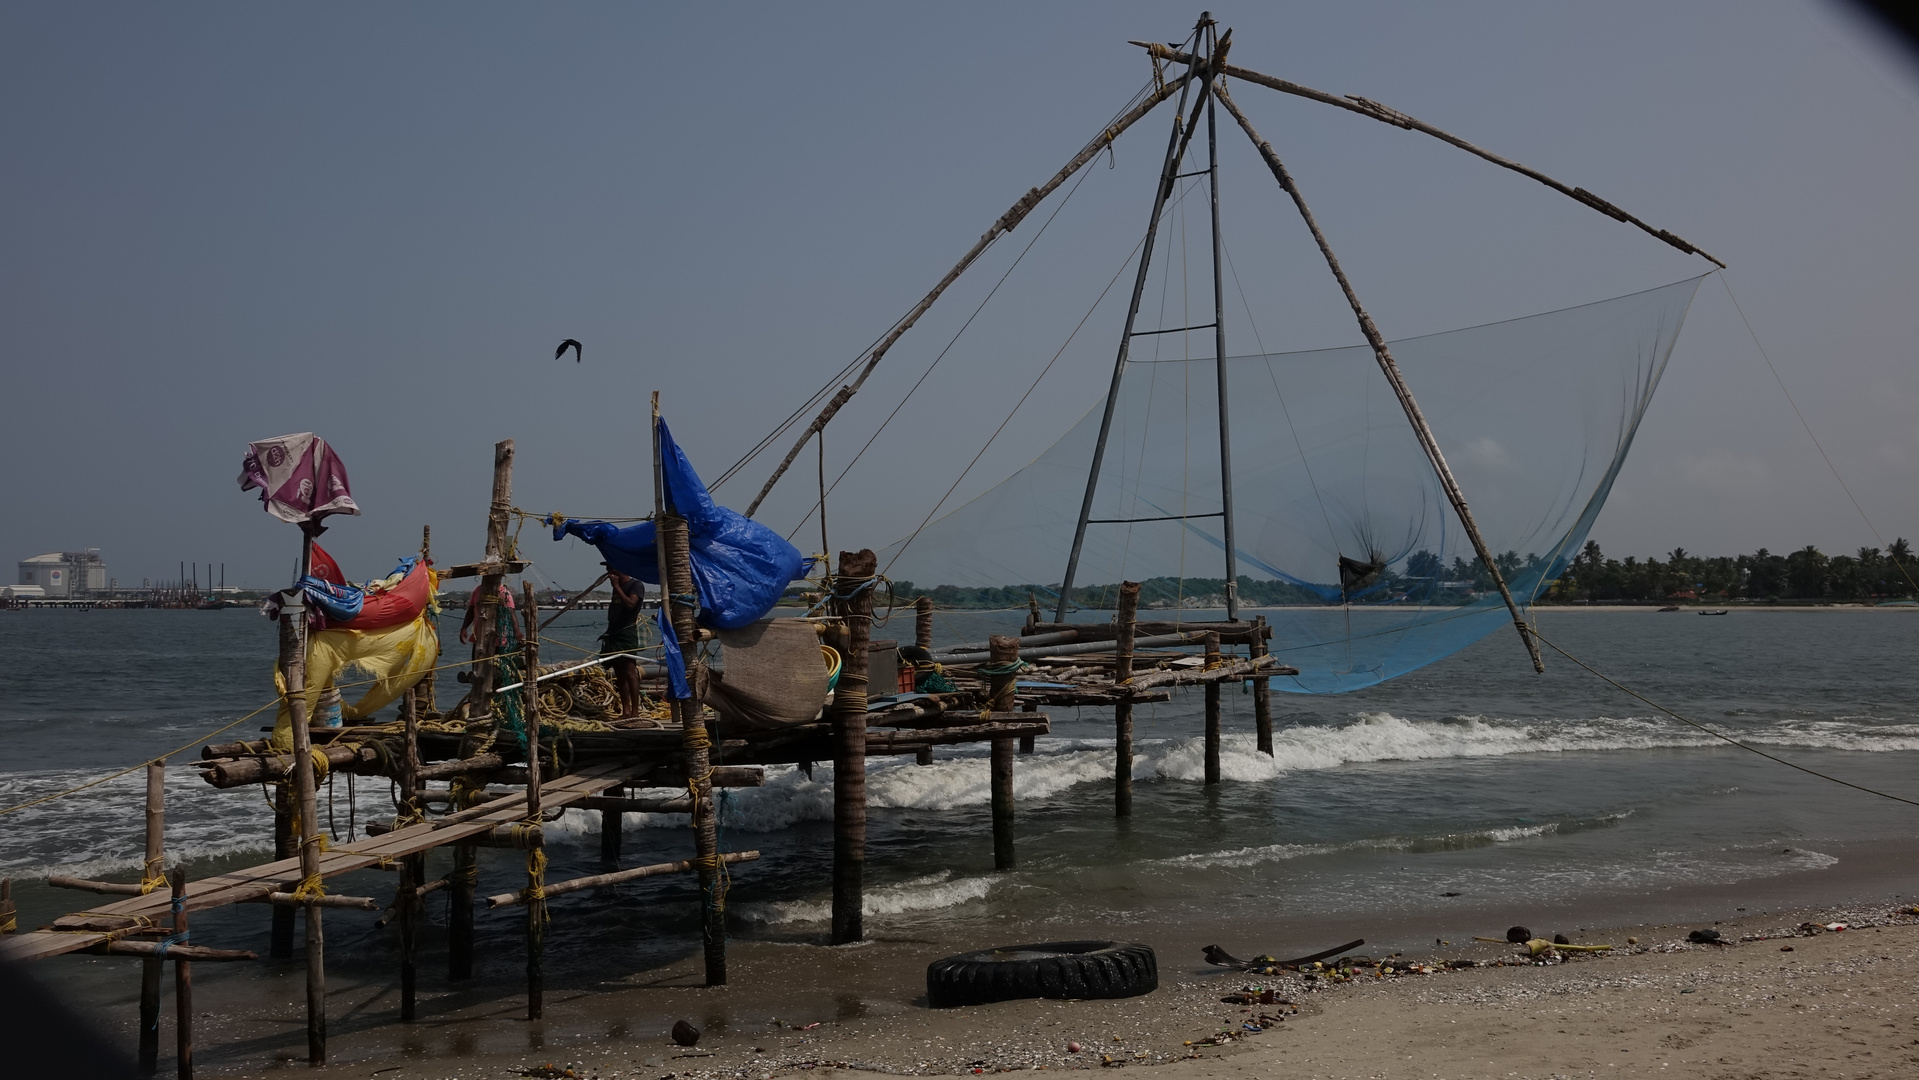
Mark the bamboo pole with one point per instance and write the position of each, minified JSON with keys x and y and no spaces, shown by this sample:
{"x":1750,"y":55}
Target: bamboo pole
{"x":1212,"y":712}
{"x":182,"y":980}
{"x":923,"y":637}
{"x":1005,"y":224}
{"x":1123,"y":711}
{"x":1388,"y":115}
{"x":1262,"y":693}
{"x":536,"y":858}
{"x":594,"y":881}
{"x":307,"y":836}
{"x":1228,"y":538}
{"x":853,"y":601}
{"x":9,"y":922}
{"x":676,"y":580}
{"x":466,"y":858}
{"x":150,"y":868}
{"x":1000,"y":696}
{"x":1390,"y":369}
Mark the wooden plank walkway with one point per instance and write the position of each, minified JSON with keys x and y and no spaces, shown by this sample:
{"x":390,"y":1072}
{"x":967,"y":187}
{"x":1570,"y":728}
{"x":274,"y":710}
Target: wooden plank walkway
{"x":94,"y":926}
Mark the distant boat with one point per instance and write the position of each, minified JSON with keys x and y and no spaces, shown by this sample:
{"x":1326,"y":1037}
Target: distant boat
{"x":1670,"y":607}
{"x":1720,"y":611}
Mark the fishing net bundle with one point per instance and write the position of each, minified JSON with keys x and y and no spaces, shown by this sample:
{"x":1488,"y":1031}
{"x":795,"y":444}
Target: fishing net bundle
{"x":1344,"y":538}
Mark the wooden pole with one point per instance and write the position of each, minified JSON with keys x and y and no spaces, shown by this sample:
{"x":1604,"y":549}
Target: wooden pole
{"x":611,"y":822}
{"x":1168,"y":172}
{"x":1388,"y":115}
{"x":536,"y":858}
{"x":1212,"y":713}
{"x":412,"y":868}
{"x":150,"y":868}
{"x":1388,"y":367}
{"x":9,"y":923}
{"x":182,"y":981}
{"x":923,"y":637}
{"x":1262,"y":692}
{"x":1228,"y":541}
{"x":466,"y":858}
{"x":293,"y":662}
{"x":676,"y":580}
{"x":1005,"y":224}
{"x":280,"y":940}
{"x":1123,"y":712}
{"x":1005,"y":655}
{"x":853,"y":601}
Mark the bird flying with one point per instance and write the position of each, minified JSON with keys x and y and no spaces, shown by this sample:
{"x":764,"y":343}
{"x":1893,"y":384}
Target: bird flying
{"x":569,"y":343}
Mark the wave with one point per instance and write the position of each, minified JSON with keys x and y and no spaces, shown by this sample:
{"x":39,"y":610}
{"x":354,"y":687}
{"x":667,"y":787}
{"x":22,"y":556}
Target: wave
{"x":930,"y":893}
{"x":1452,"y":841}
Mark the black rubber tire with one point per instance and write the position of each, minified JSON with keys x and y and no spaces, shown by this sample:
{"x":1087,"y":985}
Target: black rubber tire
{"x":1054,"y":969}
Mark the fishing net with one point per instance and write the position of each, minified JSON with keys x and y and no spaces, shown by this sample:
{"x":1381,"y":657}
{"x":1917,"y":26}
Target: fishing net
{"x":1345,"y":540}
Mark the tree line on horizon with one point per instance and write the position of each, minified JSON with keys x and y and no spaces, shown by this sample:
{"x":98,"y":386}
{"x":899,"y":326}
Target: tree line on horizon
{"x":1807,"y":574}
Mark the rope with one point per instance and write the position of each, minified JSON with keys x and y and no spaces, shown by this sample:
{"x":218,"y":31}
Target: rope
{"x":1907,"y":574}
{"x":1011,"y":667}
{"x":1615,"y":684}
{"x":152,"y":874}
{"x":535,"y":890}
{"x":311,"y":888}
{"x":178,"y":937}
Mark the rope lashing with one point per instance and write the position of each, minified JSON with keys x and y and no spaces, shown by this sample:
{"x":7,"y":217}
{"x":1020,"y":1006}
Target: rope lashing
{"x":535,"y":890}
{"x":311,"y":888}
{"x":152,"y":875}
{"x":1011,"y":667}
{"x":178,"y":937}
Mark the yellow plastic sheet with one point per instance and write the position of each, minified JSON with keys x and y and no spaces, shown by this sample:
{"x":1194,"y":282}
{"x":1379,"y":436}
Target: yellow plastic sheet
{"x":395,"y":657}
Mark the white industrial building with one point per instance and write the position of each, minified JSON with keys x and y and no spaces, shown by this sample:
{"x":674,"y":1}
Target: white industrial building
{"x":64,"y":574}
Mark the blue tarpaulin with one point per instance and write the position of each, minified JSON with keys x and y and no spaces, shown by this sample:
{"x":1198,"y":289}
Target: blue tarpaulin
{"x":740,"y":567}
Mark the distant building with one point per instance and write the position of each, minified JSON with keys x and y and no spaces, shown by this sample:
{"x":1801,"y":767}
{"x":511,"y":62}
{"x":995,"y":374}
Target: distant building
{"x":63,"y":575}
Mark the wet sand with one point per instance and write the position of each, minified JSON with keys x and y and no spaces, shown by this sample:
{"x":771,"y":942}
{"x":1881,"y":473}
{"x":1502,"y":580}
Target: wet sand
{"x":1843,"y":1002}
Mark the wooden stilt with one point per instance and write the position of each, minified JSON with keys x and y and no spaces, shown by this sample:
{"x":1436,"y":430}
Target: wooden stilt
{"x":676,"y":580}
{"x":486,"y":638}
{"x":854,"y":603}
{"x":923,"y":637}
{"x":1127,"y":622}
{"x":459,"y":918}
{"x":1005,"y":655}
{"x":150,"y":971}
{"x":412,"y":868}
{"x":182,"y":981}
{"x":1212,"y":713}
{"x":1262,"y":693}
{"x":611,"y":822}
{"x":1026,"y":741}
{"x":150,"y":868}
{"x":536,"y":858}
{"x":307,"y":835}
{"x":280,"y":940}
{"x":9,"y":923}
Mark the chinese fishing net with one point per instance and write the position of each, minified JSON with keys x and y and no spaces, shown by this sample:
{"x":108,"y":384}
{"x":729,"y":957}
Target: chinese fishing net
{"x":1345,"y":540}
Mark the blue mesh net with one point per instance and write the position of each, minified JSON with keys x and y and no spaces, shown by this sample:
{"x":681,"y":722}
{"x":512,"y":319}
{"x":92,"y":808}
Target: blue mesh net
{"x":1345,"y":540}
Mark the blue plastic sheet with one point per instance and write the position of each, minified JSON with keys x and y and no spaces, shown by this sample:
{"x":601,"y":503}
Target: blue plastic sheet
{"x":740,"y":567}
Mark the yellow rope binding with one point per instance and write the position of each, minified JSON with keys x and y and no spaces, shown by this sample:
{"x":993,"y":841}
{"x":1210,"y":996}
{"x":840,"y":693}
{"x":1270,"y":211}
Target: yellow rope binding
{"x":310,"y":889}
{"x":150,"y":877}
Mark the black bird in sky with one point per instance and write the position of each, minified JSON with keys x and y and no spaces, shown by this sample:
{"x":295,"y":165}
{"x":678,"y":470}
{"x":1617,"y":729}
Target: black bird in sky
{"x":569,"y":343}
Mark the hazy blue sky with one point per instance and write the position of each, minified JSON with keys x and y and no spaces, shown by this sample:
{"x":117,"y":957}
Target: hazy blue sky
{"x":224,"y":222}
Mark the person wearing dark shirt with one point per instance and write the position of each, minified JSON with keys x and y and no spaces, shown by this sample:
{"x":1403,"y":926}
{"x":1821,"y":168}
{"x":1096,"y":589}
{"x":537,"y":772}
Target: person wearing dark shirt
{"x":623,"y":636}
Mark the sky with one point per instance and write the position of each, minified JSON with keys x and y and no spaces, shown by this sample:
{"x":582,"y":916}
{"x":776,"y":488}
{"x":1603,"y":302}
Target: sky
{"x":226,"y":222}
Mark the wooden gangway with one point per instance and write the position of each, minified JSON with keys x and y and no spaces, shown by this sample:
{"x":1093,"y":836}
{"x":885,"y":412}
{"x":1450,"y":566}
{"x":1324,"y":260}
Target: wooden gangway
{"x":143,"y":914}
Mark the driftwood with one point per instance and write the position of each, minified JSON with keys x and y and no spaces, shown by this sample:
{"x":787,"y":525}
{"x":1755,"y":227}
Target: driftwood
{"x":595,"y":881}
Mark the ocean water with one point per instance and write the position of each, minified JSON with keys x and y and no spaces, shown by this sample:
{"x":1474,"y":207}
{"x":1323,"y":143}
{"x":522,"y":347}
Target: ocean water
{"x":1470,"y":781}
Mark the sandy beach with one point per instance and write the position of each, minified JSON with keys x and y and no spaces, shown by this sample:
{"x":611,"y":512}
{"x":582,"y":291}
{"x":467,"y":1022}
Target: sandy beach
{"x":1778,"y":998}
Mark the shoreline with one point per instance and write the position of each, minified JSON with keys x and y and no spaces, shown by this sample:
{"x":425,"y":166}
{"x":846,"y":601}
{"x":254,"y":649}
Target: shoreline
{"x":803,"y":1008}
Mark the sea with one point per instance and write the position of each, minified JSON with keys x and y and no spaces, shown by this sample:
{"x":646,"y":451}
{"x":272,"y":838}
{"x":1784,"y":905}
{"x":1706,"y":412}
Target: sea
{"x":1471,"y":785}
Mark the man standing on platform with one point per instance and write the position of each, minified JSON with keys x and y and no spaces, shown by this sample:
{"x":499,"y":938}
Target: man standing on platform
{"x":623,"y":636}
